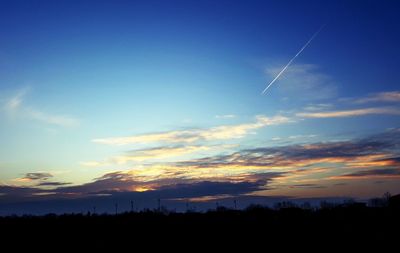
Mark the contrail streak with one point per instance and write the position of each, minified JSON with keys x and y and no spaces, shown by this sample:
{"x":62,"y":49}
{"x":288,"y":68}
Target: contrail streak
{"x":291,"y":60}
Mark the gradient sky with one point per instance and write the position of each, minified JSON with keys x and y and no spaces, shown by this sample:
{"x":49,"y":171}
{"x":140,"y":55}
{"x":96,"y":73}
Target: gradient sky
{"x":99,"y":98}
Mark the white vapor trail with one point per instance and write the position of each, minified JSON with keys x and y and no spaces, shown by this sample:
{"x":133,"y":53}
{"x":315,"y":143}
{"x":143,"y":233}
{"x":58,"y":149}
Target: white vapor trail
{"x":291,"y":60}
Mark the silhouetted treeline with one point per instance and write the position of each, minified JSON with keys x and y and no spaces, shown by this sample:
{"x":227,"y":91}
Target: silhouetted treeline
{"x":348,"y":222}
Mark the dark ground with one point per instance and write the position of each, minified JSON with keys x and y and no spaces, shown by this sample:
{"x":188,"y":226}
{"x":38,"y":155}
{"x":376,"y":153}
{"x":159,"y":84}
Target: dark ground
{"x":351,"y":223}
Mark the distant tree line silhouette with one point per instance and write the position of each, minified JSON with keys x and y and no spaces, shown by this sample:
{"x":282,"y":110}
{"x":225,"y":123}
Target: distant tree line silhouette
{"x":349,"y":221}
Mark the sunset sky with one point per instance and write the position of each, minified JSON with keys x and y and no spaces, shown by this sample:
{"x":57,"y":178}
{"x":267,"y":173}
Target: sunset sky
{"x":162,"y":99}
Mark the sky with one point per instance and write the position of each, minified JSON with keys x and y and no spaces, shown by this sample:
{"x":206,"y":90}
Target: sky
{"x":144,"y":100}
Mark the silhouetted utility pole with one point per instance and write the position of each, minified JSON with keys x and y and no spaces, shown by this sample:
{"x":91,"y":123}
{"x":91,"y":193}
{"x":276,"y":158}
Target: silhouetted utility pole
{"x":159,"y":205}
{"x":131,"y":206}
{"x":216,"y":204}
{"x":234,"y":202}
{"x":187,"y":206}
{"x":116,"y":208}
{"x":94,"y":210}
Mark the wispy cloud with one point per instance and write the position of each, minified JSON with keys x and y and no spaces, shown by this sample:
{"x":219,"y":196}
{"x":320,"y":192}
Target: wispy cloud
{"x":226,"y":116}
{"x":307,"y":80}
{"x":15,"y":107}
{"x":351,"y":113}
{"x":292,"y":59}
{"x":312,"y":186}
{"x":374,"y":173}
{"x":14,"y":103}
{"x":156,"y":153}
{"x":192,"y":135}
{"x":388,"y":96}
{"x":318,"y":107}
{"x":59,"y":120}
{"x":347,"y":154}
{"x":302,"y":136}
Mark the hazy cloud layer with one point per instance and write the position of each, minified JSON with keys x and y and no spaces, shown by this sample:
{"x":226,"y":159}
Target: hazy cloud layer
{"x":304,"y":81}
{"x":16,"y":108}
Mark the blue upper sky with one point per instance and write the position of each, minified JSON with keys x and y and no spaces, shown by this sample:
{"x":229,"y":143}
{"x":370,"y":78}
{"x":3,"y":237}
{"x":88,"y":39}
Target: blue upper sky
{"x":145,"y":88}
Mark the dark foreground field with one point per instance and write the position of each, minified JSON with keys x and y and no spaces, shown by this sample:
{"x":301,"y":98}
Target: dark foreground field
{"x":353,"y":223}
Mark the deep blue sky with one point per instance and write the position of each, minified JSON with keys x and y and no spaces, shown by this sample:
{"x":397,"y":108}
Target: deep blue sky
{"x":145,"y":88}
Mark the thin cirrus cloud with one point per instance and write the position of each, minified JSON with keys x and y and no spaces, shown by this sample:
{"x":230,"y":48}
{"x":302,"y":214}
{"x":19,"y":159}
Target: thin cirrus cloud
{"x":387,"y":96}
{"x":225,"y":116}
{"x":292,"y":59}
{"x":305,"y":79}
{"x":324,"y":110}
{"x":15,"y":107}
{"x":58,"y":120}
{"x":318,"y":107}
{"x":192,"y":135}
{"x":351,"y":113}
